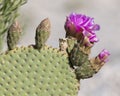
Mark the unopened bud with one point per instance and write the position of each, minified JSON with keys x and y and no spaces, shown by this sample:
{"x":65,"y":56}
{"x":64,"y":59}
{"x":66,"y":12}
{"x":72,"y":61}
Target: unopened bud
{"x":42,"y":33}
{"x":13,"y":36}
{"x":103,"y":55}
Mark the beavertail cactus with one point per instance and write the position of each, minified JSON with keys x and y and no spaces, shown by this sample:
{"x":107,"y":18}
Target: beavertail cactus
{"x":41,"y":70}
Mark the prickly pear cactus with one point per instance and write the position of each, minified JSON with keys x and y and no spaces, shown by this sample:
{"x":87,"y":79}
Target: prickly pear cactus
{"x":41,"y":70}
{"x":36,"y":70}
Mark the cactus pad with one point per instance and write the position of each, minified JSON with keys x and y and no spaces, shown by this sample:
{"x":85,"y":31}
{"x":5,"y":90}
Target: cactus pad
{"x":40,"y":70}
{"x":27,"y":71}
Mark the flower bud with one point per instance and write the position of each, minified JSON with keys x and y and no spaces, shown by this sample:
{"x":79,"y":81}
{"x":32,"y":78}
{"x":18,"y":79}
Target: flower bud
{"x":103,"y":55}
{"x":13,"y":35}
{"x":42,"y":33}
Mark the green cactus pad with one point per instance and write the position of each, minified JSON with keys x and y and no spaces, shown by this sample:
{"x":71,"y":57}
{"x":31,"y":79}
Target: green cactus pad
{"x":27,"y":71}
{"x":77,"y":56}
{"x":84,"y":71}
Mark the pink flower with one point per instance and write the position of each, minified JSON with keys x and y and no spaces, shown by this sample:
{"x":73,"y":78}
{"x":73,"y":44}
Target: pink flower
{"x":80,"y":23}
{"x":103,"y":55}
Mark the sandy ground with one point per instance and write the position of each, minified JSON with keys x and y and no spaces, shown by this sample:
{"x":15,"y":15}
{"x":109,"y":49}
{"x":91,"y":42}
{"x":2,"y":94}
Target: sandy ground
{"x":105,"y":12}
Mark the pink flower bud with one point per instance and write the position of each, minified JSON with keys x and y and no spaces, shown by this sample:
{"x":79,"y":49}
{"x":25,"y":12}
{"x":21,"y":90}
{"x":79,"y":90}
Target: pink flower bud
{"x":103,"y":55}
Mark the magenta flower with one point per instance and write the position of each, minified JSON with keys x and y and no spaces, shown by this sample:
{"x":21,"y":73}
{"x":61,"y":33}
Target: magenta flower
{"x":103,"y":55}
{"x":80,"y":23}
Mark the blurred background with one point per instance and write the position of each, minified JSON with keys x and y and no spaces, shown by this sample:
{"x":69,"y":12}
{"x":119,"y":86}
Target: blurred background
{"x":105,"y":12}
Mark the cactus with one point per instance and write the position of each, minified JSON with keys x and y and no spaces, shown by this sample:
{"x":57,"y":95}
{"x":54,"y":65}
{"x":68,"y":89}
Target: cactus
{"x":8,"y":13}
{"x":41,"y":70}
